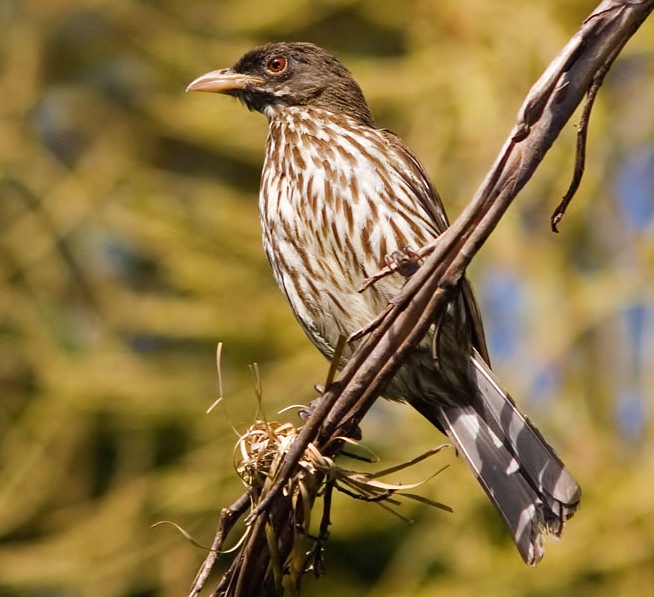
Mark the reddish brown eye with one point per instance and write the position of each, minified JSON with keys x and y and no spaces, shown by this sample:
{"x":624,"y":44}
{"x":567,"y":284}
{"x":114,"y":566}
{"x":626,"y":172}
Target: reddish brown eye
{"x":276,"y":64}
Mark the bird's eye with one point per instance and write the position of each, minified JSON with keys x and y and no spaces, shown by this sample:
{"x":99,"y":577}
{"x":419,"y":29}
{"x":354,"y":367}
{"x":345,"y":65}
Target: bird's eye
{"x":276,"y":64}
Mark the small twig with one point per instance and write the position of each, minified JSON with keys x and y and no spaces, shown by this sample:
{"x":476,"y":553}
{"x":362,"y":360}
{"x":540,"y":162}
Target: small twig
{"x":436,"y":340}
{"x":582,"y":135}
{"x":412,"y":462}
{"x":374,"y":324}
{"x":251,"y":558}
{"x":314,"y":560}
{"x":335,"y":363}
{"x":228,"y":518}
{"x":378,"y":497}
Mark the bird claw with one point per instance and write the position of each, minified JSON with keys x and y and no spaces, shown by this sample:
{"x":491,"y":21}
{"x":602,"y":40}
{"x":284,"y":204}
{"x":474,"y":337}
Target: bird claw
{"x":306,"y":412}
{"x":404,"y":261}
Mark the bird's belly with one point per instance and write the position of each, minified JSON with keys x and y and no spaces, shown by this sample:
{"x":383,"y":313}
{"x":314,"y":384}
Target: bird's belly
{"x":323,"y":291}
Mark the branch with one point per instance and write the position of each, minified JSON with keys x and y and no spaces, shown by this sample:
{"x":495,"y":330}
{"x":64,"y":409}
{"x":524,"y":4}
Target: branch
{"x":577,"y":70}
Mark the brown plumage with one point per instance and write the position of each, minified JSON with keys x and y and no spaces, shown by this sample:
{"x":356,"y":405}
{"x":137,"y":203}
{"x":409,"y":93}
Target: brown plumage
{"x":338,"y":195}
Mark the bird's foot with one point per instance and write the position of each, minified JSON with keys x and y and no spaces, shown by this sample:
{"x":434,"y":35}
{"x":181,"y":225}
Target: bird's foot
{"x":404,"y":261}
{"x":306,"y":412}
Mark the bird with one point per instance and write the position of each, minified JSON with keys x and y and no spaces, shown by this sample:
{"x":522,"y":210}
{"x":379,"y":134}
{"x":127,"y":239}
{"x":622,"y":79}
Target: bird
{"x":340,"y":197}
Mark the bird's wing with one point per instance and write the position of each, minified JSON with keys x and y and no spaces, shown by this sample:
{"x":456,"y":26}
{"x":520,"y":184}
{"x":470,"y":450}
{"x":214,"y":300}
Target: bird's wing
{"x":427,"y":195}
{"x":417,"y":178}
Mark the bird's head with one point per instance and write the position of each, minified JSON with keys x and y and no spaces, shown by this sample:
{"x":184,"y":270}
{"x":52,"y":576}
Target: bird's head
{"x":275,"y":76}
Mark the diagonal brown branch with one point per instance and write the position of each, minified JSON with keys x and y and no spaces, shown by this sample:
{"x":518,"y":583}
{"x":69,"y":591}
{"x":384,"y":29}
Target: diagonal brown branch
{"x":548,"y":107}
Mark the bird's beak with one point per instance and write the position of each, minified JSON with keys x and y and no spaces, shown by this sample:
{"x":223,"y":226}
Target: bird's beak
{"x":226,"y":80}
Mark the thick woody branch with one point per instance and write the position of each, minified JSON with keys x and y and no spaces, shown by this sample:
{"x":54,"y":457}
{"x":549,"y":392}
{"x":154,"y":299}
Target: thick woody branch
{"x":551,"y":102}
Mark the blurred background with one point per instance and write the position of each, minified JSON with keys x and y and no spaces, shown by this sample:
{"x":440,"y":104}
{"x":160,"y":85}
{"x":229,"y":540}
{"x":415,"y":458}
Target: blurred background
{"x":130,"y":246}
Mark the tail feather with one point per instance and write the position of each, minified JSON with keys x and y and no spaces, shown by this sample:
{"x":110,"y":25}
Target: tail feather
{"x":522,"y":475}
{"x":545,"y":471}
{"x":499,"y":474}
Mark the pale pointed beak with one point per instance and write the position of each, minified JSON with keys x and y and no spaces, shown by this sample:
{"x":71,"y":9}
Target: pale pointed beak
{"x":225,"y":80}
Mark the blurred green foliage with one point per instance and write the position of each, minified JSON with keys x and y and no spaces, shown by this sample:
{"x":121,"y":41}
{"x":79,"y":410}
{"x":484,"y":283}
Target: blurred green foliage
{"x":129,"y":246}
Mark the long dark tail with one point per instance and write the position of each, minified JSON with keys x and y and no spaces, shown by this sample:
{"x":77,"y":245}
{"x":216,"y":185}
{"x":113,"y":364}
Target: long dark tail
{"x":518,"y":469}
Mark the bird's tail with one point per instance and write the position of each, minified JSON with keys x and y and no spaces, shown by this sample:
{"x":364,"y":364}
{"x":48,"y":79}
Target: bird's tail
{"x":522,"y":475}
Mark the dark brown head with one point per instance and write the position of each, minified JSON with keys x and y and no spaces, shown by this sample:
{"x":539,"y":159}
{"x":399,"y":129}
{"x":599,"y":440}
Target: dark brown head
{"x":271,"y":77}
